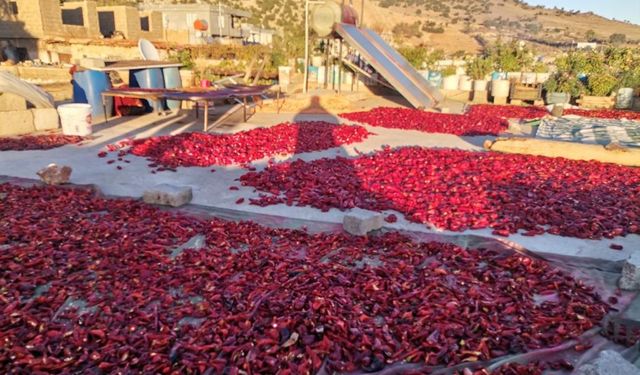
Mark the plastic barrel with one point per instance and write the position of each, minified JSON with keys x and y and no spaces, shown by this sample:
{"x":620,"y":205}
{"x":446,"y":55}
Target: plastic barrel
{"x":624,"y":99}
{"x":148,"y":79}
{"x":76,"y":119}
{"x":496,"y":76}
{"x":172,"y":80}
{"x":88,"y":86}
{"x":465,"y":83}
{"x":500,"y":88}
{"x":435,"y":78}
{"x":450,"y":83}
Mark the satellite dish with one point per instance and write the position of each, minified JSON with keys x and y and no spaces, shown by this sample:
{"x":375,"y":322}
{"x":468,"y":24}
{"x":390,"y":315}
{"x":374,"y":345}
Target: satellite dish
{"x":201,"y":25}
{"x":326,"y":15}
{"x":148,"y":51}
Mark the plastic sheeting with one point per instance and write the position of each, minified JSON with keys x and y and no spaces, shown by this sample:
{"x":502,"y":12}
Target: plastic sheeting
{"x":592,"y":131}
{"x":9,"y":83}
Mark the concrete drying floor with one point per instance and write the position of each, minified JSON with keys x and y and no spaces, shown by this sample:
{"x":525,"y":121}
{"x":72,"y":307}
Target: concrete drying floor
{"x":212,"y":189}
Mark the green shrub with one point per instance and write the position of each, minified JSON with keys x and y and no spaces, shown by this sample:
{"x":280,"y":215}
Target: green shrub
{"x":602,"y":84}
{"x":479,"y":67}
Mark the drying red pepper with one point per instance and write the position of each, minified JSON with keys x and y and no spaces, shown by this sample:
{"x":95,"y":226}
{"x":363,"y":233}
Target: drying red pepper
{"x":459,"y":190}
{"x":480,"y":120}
{"x":603,"y":113}
{"x":201,"y":149}
{"x":38,"y":142}
{"x":99,"y":285}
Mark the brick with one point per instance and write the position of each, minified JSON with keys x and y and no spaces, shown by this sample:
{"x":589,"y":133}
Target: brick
{"x":16,"y":122}
{"x":45,"y":118}
{"x":630,"y":279}
{"x":360,"y":222}
{"x":168,"y":195}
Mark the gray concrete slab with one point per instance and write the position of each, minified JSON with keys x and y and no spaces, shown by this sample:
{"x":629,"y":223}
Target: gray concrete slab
{"x":212,"y":189}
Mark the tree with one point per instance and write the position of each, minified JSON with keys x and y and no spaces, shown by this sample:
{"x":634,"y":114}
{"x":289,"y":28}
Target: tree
{"x":590,"y":35}
{"x":617,"y":38}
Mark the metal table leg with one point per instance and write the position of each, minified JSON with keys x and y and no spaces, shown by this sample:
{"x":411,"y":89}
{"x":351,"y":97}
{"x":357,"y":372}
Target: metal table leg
{"x":206,"y":116}
{"x":104,"y":108}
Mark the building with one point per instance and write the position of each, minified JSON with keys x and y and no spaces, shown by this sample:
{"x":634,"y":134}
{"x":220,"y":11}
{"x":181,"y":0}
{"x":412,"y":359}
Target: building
{"x":257,"y":35}
{"x":586,"y":45}
{"x":200,"y":23}
{"x":27,"y":23}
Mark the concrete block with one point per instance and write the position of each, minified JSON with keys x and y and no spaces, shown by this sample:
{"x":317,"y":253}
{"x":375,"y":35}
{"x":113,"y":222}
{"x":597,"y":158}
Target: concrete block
{"x":16,"y":123}
{"x":500,"y":100}
{"x":608,"y":362}
{"x":480,"y":97}
{"x":12,"y":102}
{"x":168,"y":195}
{"x":360,"y":222}
{"x":54,"y":174}
{"x":45,"y":118}
{"x":516,"y":102}
{"x":630,"y":279}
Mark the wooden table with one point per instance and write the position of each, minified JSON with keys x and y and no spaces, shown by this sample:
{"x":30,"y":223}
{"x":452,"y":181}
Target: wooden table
{"x":240,"y":94}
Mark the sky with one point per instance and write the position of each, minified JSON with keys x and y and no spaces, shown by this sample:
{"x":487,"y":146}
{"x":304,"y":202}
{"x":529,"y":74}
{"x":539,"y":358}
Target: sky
{"x":623,"y":10}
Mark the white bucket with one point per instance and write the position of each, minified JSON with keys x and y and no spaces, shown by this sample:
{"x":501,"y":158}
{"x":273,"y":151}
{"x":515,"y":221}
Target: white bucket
{"x":624,"y":99}
{"x":450,"y":83}
{"x":500,"y":88}
{"x":75,"y":119}
{"x":465,"y":83}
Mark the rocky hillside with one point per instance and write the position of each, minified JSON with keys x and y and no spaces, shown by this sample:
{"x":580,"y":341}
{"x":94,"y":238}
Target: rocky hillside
{"x":456,"y":25}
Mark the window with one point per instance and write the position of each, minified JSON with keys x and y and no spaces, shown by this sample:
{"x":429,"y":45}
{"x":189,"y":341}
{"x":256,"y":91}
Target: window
{"x":13,"y":8}
{"x":73,"y":17}
{"x":144,"y":23}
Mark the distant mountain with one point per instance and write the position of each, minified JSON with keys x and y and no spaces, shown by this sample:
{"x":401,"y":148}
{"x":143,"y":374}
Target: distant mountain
{"x":456,"y":25}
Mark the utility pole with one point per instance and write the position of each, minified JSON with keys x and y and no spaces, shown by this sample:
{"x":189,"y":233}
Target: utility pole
{"x":305,"y":87}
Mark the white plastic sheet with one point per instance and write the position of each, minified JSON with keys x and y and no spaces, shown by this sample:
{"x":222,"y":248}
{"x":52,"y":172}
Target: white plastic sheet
{"x":9,"y":83}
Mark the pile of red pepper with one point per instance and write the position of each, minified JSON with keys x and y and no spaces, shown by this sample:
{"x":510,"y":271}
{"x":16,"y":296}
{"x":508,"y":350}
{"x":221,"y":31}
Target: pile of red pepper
{"x":459,"y":190}
{"x":38,"y":142}
{"x":603,"y":113}
{"x":508,"y":111}
{"x":480,"y":120}
{"x":92,"y":285}
{"x":201,"y":149}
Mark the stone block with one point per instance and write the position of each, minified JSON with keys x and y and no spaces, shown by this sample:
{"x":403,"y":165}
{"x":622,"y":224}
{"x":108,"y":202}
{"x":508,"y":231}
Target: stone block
{"x":168,"y":195}
{"x":516,"y":102}
{"x":12,"y":102}
{"x":630,"y":279}
{"x":45,"y":118}
{"x":16,"y":123}
{"x":54,"y":174}
{"x":608,"y":362}
{"x":360,"y":222}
